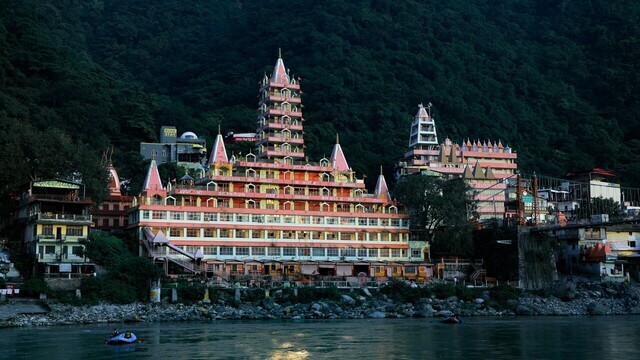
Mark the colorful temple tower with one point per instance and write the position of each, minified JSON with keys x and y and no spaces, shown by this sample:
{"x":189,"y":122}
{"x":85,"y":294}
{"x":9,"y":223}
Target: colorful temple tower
{"x":483,"y":164}
{"x":275,"y":212}
{"x":280,"y":117}
{"x":112,"y":213}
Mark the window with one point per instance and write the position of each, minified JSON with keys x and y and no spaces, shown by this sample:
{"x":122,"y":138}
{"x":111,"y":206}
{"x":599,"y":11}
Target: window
{"x":242,"y":251}
{"x":362,"y":252}
{"x":177,"y":215}
{"x":384,"y":252}
{"x":332,"y":252}
{"x":242,"y":234}
{"x":74,"y":230}
{"x":175,"y":232}
{"x":193,"y":232}
{"x":225,"y":233}
{"x":373,"y":222}
{"x":288,"y":219}
{"x":47,"y":229}
{"x":632,"y":244}
{"x":242,"y":218}
{"x":210,"y":217}
{"x":257,"y":251}
{"x":289,"y":252}
{"x":318,"y":251}
{"x":50,"y":250}
{"x":304,"y":252}
{"x":395,"y":253}
{"x":226,"y":217}
{"x":256,"y":234}
{"x":373,"y":252}
{"x":192,"y":215}
{"x":273,"y":251}
{"x":210,"y":250}
{"x":159,"y":215}
{"x":416,"y":253}
{"x":146,"y":214}
{"x":410,"y":270}
{"x":273,"y":219}
{"x":226,"y":250}
{"x":348,"y":252}
{"x":257,"y":218}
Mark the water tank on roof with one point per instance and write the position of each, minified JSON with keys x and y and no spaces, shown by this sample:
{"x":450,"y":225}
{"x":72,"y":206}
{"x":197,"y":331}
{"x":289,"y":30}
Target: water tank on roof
{"x":188,"y":135}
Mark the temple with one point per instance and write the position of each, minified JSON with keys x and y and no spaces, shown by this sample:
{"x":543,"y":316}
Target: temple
{"x":485,"y":165}
{"x":275,"y":212}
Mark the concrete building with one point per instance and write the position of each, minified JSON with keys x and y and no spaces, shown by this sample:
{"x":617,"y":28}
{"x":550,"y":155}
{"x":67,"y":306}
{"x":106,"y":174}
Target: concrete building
{"x":275,"y":212}
{"x":188,"y":150}
{"x":55,"y":216}
{"x":112,"y":213}
{"x":485,"y":165}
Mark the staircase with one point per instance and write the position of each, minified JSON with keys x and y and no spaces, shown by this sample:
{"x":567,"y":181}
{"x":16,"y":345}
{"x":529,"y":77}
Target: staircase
{"x":479,"y":274}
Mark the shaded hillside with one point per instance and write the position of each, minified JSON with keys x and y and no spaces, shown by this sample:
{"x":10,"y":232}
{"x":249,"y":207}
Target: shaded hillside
{"x":556,"y":80}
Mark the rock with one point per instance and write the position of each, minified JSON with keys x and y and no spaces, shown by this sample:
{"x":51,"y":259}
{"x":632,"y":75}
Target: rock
{"x":269,"y":303}
{"x":377,"y":315}
{"x":523,"y":310}
{"x":451,"y":299}
{"x":316,"y":307}
{"x":348,"y":299}
{"x":479,"y":301}
{"x":595,"y":308}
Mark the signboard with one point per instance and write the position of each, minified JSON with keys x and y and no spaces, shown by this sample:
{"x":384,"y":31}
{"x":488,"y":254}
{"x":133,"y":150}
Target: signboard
{"x":65,"y":268}
{"x":527,"y":199}
{"x":440,"y":266}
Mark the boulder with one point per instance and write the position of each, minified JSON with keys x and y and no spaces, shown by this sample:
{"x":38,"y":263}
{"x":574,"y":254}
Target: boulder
{"x":377,"y":315}
{"x":596,"y":308}
{"x":523,"y":310}
{"x":348,"y":299}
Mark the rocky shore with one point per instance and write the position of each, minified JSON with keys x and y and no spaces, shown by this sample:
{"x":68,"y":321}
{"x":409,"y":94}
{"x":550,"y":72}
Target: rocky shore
{"x":566,"y":298}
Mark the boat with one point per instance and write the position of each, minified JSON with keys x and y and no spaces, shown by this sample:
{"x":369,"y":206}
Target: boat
{"x":452,"y":320}
{"x":123,"y":339}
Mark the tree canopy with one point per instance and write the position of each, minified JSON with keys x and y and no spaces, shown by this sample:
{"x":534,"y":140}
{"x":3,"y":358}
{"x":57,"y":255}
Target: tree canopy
{"x":437,"y":203}
{"x":555,"y":80}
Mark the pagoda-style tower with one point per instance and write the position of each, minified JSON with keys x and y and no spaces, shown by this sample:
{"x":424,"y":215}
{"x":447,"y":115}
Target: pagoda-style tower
{"x":423,"y":130}
{"x":280,"y":120}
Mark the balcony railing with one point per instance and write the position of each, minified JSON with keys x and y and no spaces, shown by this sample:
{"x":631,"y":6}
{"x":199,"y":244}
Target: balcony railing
{"x":66,"y":217}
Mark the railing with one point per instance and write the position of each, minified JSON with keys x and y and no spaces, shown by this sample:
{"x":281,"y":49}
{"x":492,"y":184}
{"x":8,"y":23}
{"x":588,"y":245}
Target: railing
{"x":69,"y":217}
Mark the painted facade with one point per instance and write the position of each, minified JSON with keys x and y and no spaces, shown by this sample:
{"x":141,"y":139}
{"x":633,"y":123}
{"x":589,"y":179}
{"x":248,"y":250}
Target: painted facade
{"x":485,"y":165}
{"x":275,"y":212}
{"x":112,"y":213}
{"x":55,"y":217}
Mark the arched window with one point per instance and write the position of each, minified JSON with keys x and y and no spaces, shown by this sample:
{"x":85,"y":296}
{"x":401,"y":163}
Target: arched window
{"x":250,"y":204}
{"x":324,"y":206}
{"x":250,"y":173}
{"x":360,"y":208}
{"x":324,"y":162}
{"x":325,"y":192}
{"x":211,"y":202}
{"x":213,"y":184}
{"x":170,"y":200}
{"x":393,"y":210}
{"x":250,"y":157}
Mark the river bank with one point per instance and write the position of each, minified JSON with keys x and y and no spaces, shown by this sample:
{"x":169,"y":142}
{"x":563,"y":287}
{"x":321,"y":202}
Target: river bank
{"x":563,"y":299}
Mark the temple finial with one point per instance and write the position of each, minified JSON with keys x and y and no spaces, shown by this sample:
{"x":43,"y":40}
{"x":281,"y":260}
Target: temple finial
{"x":337,"y":138}
{"x":219,"y":132}
{"x":279,"y":53}
{"x":381,"y":170}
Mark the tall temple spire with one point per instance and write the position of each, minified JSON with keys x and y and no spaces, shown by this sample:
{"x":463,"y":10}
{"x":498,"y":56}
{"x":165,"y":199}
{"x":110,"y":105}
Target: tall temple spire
{"x":280,"y":128}
{"x":219,"y":151}
{"x":423,"y":129}
{"x":382,"y":190}
{"x":338,"y":160}
{"x":152,"y":183}
{"x":114,"y":181}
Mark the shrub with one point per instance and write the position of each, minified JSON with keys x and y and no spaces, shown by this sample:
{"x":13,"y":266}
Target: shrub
{"x":35,"y":286}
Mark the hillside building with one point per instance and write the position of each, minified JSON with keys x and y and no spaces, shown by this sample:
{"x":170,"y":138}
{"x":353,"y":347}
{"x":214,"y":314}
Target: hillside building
{"x":188,"y":150}
{"x":275,"y":212}
{"x":485,"y":165}
{"x":112,"y":213}
{"x":55,"y":216}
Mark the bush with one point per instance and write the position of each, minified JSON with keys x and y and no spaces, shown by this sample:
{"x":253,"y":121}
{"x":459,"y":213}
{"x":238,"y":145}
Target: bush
{"x":502,"y":293}
{"x":35,"y":286}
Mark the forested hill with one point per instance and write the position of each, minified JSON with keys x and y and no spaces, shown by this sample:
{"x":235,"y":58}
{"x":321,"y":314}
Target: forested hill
{"x":556,"y":80}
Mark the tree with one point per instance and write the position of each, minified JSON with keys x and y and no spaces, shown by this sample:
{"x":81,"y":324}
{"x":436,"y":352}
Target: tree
{"x":437,"y":204}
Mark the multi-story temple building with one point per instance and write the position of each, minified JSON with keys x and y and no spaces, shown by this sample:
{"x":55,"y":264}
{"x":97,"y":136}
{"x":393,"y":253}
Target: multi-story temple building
{"x":112,"y":213}
{"x":275,"y":212}
{"x":483,"y":164}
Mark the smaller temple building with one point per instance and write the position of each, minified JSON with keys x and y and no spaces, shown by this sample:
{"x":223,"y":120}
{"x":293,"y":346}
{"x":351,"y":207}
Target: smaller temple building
{"x":188,"y":150}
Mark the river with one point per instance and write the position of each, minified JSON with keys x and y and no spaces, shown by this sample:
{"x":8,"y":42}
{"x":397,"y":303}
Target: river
{"x":477,"y":338}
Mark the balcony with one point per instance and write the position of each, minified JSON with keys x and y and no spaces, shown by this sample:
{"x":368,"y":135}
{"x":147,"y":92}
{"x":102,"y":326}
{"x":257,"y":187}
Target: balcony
{"x":64,"y":217}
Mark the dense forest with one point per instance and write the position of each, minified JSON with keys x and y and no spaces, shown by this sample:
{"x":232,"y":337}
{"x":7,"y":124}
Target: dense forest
{"x":557,"y":80}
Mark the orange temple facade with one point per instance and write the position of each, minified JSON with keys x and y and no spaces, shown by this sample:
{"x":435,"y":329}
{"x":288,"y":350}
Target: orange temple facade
{"x":274,"y":212}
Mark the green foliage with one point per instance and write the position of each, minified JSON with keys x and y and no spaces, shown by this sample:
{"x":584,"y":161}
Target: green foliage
{"x":311,"y":294}
{"x":503,"y":293}
{"x":34,"y":286}
{"x":556,"y":82}
{"x":440,"y":209}
{"x":601,"y":205}
{"x":114,"y":290}
{"x":128,"y":275}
